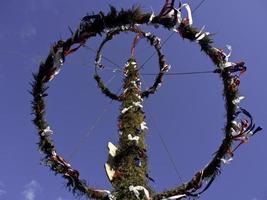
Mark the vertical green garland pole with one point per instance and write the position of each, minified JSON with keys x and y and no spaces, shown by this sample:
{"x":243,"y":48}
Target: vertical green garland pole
{"x":131,"y":161}
{"x":127,"y":167}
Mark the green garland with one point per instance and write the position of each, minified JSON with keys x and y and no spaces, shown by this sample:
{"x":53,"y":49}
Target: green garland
{"x":154,"y":41}
{"x":92,"y":25}
{"x":130,"y":161}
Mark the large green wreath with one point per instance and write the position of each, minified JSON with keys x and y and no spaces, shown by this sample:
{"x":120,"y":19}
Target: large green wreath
{"x":235,"y":129}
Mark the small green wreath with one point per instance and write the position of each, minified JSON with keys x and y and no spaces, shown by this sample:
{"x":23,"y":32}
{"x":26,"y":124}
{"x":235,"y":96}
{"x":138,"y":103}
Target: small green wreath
{"x":154,"y":41}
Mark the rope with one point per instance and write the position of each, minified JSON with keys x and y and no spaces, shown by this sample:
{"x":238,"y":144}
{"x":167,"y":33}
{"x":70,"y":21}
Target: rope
{"x":153,"y":74}
{"x":91,"y":129}
{"x":105,"y":58}
{"x":164,"y":42}
{"x":198,"y":6}
{"x":153,"y":54}
{"x":149,"y":74}
{"x":181,"y":73}
{"x":165,"y":146}
{"x":163,"y":143}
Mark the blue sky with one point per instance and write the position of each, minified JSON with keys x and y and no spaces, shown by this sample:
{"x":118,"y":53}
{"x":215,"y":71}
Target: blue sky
{"x":187,"y":111}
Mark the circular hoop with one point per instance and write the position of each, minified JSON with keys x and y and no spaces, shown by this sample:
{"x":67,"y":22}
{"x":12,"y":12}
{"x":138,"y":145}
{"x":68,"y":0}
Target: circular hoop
{"x":154,"y":41}
{"x":92,"y":25}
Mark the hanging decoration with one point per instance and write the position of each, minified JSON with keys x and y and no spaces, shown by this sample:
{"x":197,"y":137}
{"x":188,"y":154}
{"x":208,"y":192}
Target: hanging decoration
{"x":239,"y":124}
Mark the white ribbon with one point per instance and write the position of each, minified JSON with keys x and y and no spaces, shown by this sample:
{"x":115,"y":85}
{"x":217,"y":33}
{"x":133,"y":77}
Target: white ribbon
{"x":58,"y":61}
{"x":143,"y":126}
{"x":179,"y":196}
{"x":124,"y":91}
{"x":98,"y":61}
{"x":109,"y":171}
{"x":189,"y":13}
{"x":126,"y":109}
{"x":166,"y":68}
{"x":229,"y":47}
{"x":228,"y":64}
{"x":138,"y":96}
{"x":126,"y":73}
{"x":135,"y":138}
{"x":136,"y":189}
{"x":179,"y":16}
{"x":47,"y":131}
{"x":237,"y":100}
{"x":147,"y":34}
{"x":108,"y":193}
{"x":137,"y":104}
{"x":226,"y":161}
{"x":236,"y":128}
{"x":151,"y":17}
{"x":133,"y":63}
{"x":200,"y":35}
{"x":127,"y":64}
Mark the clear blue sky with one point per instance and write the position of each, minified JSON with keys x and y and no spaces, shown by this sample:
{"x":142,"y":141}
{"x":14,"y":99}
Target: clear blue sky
{"x":187,"y":111}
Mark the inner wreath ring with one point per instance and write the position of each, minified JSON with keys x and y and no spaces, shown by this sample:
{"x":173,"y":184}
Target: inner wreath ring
{"x":153,"y":40}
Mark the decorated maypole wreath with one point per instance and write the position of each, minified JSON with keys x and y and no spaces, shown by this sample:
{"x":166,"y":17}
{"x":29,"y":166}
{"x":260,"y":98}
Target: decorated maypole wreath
{"x":127,"y":166}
